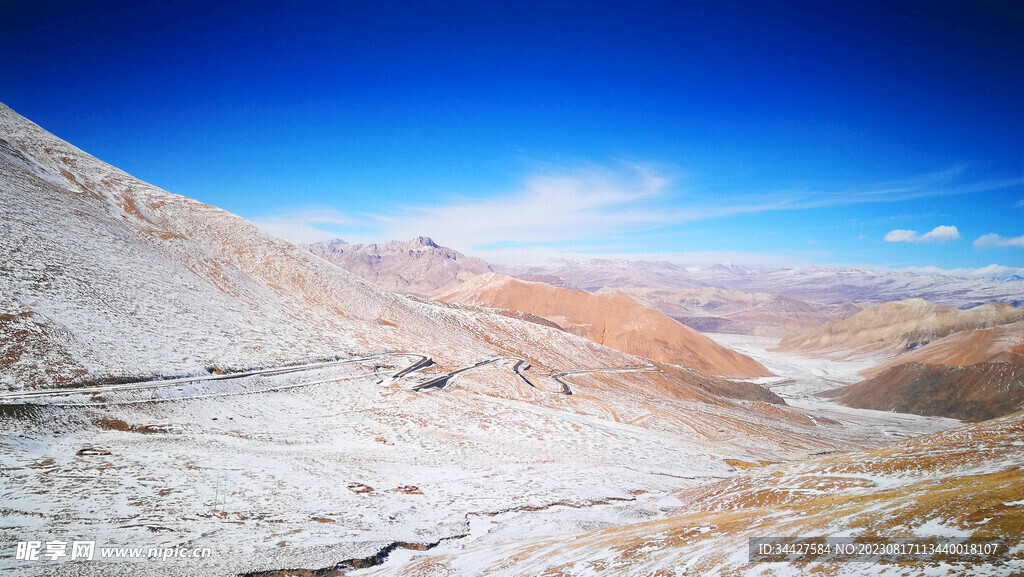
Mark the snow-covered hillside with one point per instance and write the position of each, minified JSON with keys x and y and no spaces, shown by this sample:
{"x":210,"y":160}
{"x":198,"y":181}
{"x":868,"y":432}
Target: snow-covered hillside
{"x":107,"y":276}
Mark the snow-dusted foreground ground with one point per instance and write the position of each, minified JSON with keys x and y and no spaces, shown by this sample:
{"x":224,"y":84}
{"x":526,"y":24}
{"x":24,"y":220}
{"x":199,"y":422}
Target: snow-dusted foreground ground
{"x":957,"y":483}
{"x":310,"y":469}
{"x":337,"y":464}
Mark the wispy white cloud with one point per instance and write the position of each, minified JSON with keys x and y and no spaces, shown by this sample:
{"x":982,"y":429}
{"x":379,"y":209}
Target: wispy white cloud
{"x":941,"y":233}
{"x":585,"y":207}
{"x":995,"y":240}
{"x":948,"y":182}
{"x":586,"y":204}
{"x":900,"y":235}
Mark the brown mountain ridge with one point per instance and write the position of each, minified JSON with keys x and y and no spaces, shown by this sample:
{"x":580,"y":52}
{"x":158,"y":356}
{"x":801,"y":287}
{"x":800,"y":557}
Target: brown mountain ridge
{"x":610,"y":318}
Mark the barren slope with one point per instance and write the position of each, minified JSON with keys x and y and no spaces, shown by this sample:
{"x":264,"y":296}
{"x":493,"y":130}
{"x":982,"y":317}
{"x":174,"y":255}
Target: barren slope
{"x":970,"y":375}
{"x":897,"y":327}
{"x":971,"y":393}
{"x":612,"y":319}
{"x":1004,"y":344}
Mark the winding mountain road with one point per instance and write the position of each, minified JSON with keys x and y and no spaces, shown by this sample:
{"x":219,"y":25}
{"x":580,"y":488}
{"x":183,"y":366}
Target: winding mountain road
{"x":441,"y":381}
{"x":421,"y":362}
{"x":520,"y":365}
{"x":565,"y":386}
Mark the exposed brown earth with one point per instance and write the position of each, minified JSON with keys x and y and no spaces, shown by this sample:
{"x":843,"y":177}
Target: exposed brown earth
{"x":971,"y":393}
{"x":1003,"y":344}
{"x":120,"y":425}
{"x":612,"y":319}
{"x":37,"y":351}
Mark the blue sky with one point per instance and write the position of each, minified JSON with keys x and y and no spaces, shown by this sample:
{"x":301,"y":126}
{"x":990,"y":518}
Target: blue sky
{"x":753,"y":132}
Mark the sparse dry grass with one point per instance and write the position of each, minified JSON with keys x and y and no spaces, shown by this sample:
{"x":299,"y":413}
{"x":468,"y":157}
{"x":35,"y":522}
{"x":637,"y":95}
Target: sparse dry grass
{"x":924,"y":480}
{"x":119,"y":425}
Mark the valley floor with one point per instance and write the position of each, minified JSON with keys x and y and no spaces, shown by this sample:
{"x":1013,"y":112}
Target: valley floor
{"x":799,"y":379}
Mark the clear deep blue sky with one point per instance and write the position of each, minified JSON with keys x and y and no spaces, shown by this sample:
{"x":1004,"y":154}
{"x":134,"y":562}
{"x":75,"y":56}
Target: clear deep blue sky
{"x":743,"y":131}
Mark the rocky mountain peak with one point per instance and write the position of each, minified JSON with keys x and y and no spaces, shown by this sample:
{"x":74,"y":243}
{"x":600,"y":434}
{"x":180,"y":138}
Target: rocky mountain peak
{"x":424,"y":241}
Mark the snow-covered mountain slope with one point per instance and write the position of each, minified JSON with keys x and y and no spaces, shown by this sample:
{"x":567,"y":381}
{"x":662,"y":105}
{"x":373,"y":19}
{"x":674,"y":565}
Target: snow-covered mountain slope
{"x":107,"y":276}
{"x":963,"y":483}
{"x":897,"y":327}
{"x":816,"y":284}
{"x":418,"y":267}
{"x":612,"y":319}
{"x":117,"y":277}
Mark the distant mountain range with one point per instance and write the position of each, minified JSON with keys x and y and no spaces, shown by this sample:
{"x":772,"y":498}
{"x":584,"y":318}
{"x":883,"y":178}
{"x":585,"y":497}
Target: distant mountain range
{"x":712,"y":309}
{"x":814,"y":284}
